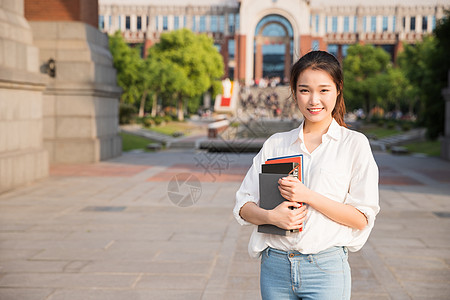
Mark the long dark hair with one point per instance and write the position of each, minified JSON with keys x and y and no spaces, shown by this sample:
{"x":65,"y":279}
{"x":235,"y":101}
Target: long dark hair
{"x":321,"y":60}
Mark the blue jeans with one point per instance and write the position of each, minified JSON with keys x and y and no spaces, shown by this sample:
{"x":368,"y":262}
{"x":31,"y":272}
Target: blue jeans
{"x":292,"y":275}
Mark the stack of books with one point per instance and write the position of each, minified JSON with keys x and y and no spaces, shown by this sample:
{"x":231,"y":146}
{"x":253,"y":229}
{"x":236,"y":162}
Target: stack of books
{"x":272,"y":170}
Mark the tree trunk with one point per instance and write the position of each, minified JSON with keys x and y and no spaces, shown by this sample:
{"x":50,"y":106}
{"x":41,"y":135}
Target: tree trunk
{"x":142,"y":106}
{"x":180,"y":112}
{"x":154,"y":104}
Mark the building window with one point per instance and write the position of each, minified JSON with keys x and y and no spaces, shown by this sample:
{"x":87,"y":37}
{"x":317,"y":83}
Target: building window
{"x":213,"y":25}
{"x":194,"y":25}
{"x":373,"y":24}
{"x":110,"y":21}
{"x":139,"y":23}
{"x":412,"y":26}
{"x":404,"y":23}
{"x":127,"y":22}
{"x":334,"y":24}
{"x":317,"y":23}
{"x":157,"y":22}
{"x":231,"y":49}
{"x":315,"y":45}
{"x":433,"y":23}
{"x":230,"y":23}
{"x":184,"y":21}
{"x":355,"y":24}
{"x":393,"y":23}
{"x":176,"y":22}
{"x":236,"y":18}
{"x":165,"y":23}
{"x":346,"y":24}
{"x":101,"y":22}
{"x":218,"y":47}
{"x":344,"y":50}
{"x":385,"y":23}
{"x":202,"y":24}
{"x":119,"y":22}
{"x":147,"y":21}
{"x":424,"y":23}
{"x":326,"y":24}
{"x":333,"y":49}
{"x":221,"y":24}
{"x":365,"y":24}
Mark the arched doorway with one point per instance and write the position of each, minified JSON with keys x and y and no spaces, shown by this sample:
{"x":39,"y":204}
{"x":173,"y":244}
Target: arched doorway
{"x":273,"y":46}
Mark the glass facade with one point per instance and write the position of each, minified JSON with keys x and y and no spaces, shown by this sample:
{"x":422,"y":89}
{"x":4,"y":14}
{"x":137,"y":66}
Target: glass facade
{"x":127,"y":22}
{"x":222,"y":24}
{"x":231,"y":49}
{"x":373,"y":24}
{"x":412,"y":26}
{"x":101,"y":22}
{"x":334,"y":24}
{"x":317,"y":23}
{"x":176,"y":22}
{"x":165,"y":23}
{"x":346,"y":24}
{"x":213,"y":25}
{"x":202,"y":27}
{"x":385,"y":23}
{"x":139,"y":23}
{"x":424,"y":23}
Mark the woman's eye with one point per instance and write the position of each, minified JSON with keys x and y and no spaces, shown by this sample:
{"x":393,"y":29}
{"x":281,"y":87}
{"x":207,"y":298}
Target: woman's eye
{"x":303,"y":91}
{"x":324,"y":91}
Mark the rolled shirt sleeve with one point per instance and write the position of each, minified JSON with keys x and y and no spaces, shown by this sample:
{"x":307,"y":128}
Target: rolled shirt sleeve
{"x":249,"y":190}
{"x":363,"y":195}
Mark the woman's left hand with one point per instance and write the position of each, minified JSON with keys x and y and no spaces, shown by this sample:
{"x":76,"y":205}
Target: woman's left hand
{"x":293,"y":189}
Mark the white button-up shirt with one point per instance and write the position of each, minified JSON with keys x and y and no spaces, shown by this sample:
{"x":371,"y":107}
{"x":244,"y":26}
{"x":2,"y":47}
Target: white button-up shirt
{"x":341,"y":168}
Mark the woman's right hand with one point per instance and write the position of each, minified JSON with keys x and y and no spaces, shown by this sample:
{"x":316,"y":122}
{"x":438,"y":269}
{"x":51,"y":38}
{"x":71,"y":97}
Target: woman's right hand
{"x":286,"y":218}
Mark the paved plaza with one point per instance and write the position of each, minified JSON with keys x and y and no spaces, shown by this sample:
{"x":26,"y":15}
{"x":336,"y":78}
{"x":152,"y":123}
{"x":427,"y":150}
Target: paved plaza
{"x":127,"y":229}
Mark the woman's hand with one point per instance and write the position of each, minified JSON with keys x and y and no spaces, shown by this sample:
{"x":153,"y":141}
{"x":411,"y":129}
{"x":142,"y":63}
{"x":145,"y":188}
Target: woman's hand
{"x":287,"y":218}
{"x":293,"y":189}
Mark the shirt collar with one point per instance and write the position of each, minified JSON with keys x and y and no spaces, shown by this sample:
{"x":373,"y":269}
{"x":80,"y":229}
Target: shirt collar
{"x":333,"y":132}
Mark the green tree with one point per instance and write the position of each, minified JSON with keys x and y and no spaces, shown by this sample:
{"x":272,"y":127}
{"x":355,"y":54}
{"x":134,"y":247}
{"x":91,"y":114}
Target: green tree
{"x":128,"y":64}
{"x":159,"y":77}
{"x":199,"y":64}
{"x":426,"y":65}
{"x":366,"y":74}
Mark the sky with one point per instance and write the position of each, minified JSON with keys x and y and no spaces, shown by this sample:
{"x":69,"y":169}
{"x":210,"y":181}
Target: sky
{"x":314,"y":3}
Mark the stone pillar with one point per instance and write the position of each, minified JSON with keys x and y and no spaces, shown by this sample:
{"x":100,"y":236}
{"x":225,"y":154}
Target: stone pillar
{"x":81,"y":102}
{"x":23,"y":158}
{"x":258,"y":59}
{"x":445,"y":147}
{"x":239,"y":70}
{"x":287,"y":61}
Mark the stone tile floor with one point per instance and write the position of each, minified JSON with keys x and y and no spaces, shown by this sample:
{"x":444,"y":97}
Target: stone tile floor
{"x":110,"y":231}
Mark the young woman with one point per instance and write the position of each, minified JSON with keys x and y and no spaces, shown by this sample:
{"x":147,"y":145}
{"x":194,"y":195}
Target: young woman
{"x":339,"y":193}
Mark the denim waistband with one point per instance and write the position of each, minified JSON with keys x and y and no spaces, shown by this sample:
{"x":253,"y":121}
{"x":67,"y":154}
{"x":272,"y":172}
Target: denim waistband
{"x":291,"y":254}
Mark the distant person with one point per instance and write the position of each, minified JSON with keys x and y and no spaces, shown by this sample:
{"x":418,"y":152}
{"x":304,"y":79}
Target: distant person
{"x":335,"y":207}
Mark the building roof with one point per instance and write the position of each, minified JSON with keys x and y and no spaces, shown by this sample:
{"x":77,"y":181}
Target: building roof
{"x":314,"y":3}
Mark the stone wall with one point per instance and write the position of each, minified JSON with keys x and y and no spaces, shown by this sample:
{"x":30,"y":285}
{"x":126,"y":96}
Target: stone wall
{"x":23,"y":158}
{"x":81,"y":102}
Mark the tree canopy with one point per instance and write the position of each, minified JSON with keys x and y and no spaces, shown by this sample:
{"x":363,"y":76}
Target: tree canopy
{"x":199,"y":65}
{"x":426,"y":65}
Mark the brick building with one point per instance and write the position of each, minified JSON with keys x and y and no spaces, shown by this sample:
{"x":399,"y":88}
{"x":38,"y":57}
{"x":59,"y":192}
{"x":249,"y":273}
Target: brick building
{"x":261,"y":38}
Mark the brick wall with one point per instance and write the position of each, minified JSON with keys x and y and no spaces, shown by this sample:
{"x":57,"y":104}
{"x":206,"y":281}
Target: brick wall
{"x":62,"y":10}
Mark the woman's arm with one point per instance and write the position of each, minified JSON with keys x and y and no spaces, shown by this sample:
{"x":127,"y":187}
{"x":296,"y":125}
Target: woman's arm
{"x":294,"y":190}
{"x":281,"y":216}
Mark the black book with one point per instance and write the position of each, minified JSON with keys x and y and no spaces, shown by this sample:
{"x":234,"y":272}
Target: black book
{"x":269,"y":195}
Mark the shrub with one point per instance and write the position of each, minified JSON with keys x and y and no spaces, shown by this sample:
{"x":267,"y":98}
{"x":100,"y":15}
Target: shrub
{"x":391,"y":125}
{"x":148,"y":122}
{"x":167,"y":118}
{"x":158,"y":120}
{"x":126,"y":112}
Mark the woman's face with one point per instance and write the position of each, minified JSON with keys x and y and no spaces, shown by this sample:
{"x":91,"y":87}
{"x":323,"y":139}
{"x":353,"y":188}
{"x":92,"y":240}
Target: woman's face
{"x":316,"y":95}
